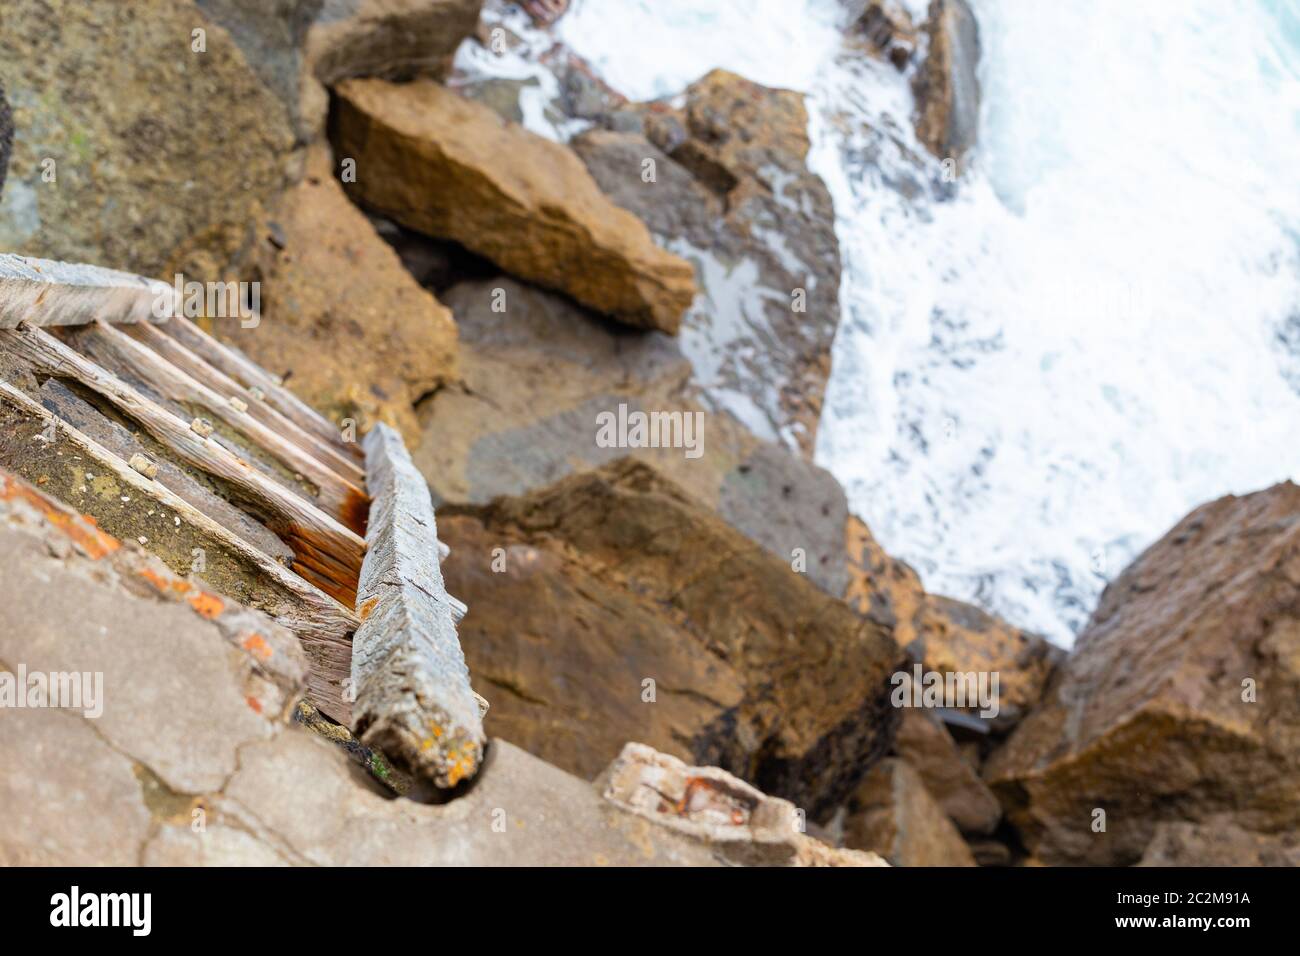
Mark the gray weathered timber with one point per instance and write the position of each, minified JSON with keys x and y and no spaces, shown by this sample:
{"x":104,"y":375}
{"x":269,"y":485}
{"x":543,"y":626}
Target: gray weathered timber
{"x":413,"y":696}
{"x":44,"y":292}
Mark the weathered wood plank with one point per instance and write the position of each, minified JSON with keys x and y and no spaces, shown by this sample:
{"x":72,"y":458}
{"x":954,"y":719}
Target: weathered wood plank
{"x":322,"y":624}
{"x":293,"y":518}
{"x":413,"y":696}
{"x":336,"y":496}
{"x":251,"y":375}
{"x":184,"y":359}
{"x":44,"y":292}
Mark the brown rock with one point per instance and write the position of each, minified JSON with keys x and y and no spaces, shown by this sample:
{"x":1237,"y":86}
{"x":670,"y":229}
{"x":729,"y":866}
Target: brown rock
{"x":947,"y":635}
{"x":526,"y":416}
{"x":614,"y":578}
{"x":451,"y":168}
{"x":158,"y":167}
{"x":927,"y":747}
{"x":391,"y":39}
{"x":1219,"y":843}
{"x":1179,"y":701}
{"x":890,"y":813}
{"x":946,"y":86}
{"x":342,"y":320}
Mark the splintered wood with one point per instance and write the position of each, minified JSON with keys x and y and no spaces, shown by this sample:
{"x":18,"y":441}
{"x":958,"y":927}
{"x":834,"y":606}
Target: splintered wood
{"x":41,"y":292}
{"x":413,"y":695}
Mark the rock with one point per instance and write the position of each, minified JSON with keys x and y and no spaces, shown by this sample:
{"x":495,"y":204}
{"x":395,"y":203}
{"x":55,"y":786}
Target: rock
{"x":733,"y":193}
{"x":451,"y":168}
{"x":946,"y":87}
{"x":1219,"y":843}
{"x":955,"y":786}
{"x":6,"y":136}
{"x":197,"y":758}
{"x":611,"y":606}
{"x":343,"y":322}
{"x":886,"y":28}
{"x":152,"y":170}
{"x":526,"y":416}
{"x":945,"y":635}
{"x":711,"y":805}
{"x":391,"y":39}
{"x":890,"y":813}
{"x":1178,"y":703}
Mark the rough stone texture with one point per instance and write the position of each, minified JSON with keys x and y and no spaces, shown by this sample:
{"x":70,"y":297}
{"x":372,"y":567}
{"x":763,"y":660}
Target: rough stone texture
{"x":1219,"y":843}
{"x":71,"y":294}
{"x":414,"y":699}
{"x":946,"y":86}
{"x":526,"y":416}
{"x":734,"y":195}
{"x":350,"y":330}
{"x":391,"y":39}
{"x":1146,"y":718}
{"x":947,"y":635}
{"x":616,"y":576}
{"x":709,"y":804}
{"x":196,"y":759}
{"x":890,"y":813}
{"x":953,"y":783}
{"x":6,"y":135}
{"x":451,"y":168}
{"x":162,"y":156}
{"x":887,"y":29}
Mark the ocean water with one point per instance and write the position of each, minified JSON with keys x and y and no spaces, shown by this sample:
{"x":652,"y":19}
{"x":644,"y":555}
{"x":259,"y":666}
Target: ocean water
{"x":1036,"y":376}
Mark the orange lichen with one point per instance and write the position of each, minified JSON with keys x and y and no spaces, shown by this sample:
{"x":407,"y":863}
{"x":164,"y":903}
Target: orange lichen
{"x":364,"y":610}
{"x":256,"y":645}
{"x":165,"y":583}
{"x":254,"y":704}
{"x":206,"y":605}
{"x":80,"y":528}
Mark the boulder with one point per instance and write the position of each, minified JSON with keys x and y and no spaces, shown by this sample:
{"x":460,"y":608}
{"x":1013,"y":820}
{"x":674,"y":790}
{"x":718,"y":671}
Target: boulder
{"x":611,"y":606}
{"x":536,"y":376}
{"x":342,"y":321}
{"x":143,"y":153}
{"x":953,"y":783}
{"x":1219,"y":843}
{"x":732,"y":192}
{"x":1180,"y":702}
{"x":945,"y":635}
{"x":890,"y":813}
{"x":946,"y":86}
{"x":451,"y":168}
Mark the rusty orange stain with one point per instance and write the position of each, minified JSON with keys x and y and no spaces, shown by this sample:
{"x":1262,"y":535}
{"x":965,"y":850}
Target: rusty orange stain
{"x":165,"y":583}
{"x":80,"y":528}
{"x":206,"y":605}
{"x":363,"y":612}
{"x":256,"y":645}
{"x":254,"y":704}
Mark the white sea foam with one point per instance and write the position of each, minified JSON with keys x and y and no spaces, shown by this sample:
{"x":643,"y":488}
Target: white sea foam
{"x":1034,"y":380}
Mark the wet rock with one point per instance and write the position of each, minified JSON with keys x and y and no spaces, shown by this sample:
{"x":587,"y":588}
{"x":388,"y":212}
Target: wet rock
{"x":342,"y":321}
{"x":886,"y":28}
{"x":946,"y":86}
{"x":890,"y":813}
{"x":526,"y":416}
{"x":450,"y":168}
{"x":732,"y":192}
{"x":611,"y":606}
{"x":1178,"y":703}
